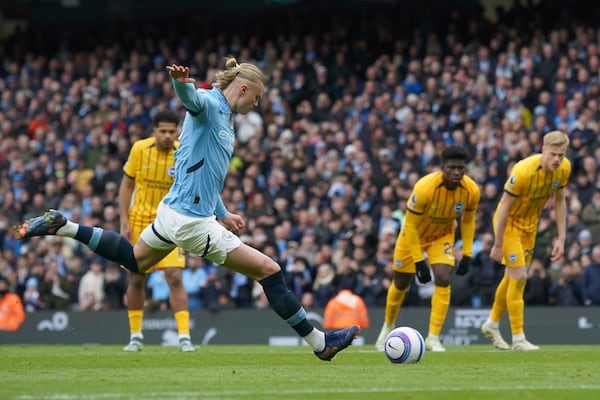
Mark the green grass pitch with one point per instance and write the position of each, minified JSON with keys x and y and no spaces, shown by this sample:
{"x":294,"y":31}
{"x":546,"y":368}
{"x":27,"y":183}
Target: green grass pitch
{"x":220,"y":372}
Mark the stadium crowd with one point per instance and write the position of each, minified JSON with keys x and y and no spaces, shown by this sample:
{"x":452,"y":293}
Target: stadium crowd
{"x":356,"y":109}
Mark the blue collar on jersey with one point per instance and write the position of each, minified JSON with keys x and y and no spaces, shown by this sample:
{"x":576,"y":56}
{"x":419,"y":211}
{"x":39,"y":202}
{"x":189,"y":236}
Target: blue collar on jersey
{"x":225,"y":107}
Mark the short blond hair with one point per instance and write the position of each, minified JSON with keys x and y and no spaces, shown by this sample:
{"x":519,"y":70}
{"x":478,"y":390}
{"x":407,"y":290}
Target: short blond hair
{"x":247,"y":71}
{"x":556,"y":139}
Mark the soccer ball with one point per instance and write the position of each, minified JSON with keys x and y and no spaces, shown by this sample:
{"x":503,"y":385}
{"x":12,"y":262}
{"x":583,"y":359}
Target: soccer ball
{"x":404,"y":345}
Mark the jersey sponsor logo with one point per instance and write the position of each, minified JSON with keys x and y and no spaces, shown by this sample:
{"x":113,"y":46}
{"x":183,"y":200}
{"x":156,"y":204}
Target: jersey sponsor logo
{"x":171,"y":171}
{"x":512,"y":179}
{"x":398,"y":263}
{"x":228,"y":140}
{"x":512,"y":258}
{"x":458,"y":207}
{"x":413,"y":199}
{"x":555,"y":184}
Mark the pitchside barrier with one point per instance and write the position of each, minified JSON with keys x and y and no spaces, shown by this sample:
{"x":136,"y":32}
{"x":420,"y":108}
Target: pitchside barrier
{"x":544,"y":325}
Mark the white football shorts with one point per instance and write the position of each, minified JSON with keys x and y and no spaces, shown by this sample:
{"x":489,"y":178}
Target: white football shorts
{"x":204,"y":237}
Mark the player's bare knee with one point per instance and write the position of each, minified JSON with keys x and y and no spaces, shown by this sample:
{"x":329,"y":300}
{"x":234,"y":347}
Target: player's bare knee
{"x":137,"y":281}
{"x":517,"y":273}
{"x":402,"y":281}
{"x":269,"y":267}
{"x":173,"y":277}
{"x":442,"y":281}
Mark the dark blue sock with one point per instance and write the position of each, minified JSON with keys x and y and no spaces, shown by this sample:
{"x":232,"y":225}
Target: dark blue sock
{"x":285,"y":304}
{"x":108,"y":244}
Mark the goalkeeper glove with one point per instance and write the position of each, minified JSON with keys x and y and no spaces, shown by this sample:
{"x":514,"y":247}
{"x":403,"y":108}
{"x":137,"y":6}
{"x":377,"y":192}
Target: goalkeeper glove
{"x":463,"y":266}
{"x":423,"y":274}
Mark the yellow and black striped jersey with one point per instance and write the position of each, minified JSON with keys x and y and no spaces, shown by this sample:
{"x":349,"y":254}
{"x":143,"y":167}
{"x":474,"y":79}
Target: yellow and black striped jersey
{"x":154,"y":173}
{"x":439,"y":207}
{"x":533,"y":186}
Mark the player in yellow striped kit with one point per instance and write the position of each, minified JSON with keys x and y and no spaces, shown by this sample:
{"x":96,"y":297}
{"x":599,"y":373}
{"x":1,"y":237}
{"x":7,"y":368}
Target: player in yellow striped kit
{"x":532,"y":182}
{"x":148,"y":175}
{"x":437,"y":202}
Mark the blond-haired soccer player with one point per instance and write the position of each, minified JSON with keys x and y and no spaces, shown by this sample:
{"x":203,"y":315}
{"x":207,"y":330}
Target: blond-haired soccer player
{"x":437,"y":202}
{"x":193,"y":215}
{"x":148,"y":175}
{"x":532,"y":182}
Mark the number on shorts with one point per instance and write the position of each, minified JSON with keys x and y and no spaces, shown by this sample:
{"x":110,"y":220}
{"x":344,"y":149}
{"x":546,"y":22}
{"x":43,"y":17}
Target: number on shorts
{"x":448,"y":249}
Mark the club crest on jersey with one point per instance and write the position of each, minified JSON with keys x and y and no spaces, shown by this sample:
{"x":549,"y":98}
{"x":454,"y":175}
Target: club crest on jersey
{"x":171,"y":171}
{"x":555,"y":184}
{"x":458,"y":207}
{"x":227,"y":235}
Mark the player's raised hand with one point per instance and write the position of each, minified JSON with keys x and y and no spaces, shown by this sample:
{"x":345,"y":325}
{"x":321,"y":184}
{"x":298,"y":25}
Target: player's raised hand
{"x":180,"y":73}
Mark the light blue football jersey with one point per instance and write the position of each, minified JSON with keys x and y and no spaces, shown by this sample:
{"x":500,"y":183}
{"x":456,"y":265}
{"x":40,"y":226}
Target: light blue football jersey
{"x":205,"y":149}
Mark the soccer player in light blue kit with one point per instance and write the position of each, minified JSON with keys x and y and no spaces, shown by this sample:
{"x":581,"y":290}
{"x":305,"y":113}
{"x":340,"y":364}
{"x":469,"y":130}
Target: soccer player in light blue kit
{"x":192,"y":216}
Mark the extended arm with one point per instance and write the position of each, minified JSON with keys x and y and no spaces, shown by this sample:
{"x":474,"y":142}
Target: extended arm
{"x":411,"y":221}
{"x":185,"y":88}
{"x":125,"y":194}
{"x":467,"y":232}
{"x":506,"y":204}
{"x":560,"y":209}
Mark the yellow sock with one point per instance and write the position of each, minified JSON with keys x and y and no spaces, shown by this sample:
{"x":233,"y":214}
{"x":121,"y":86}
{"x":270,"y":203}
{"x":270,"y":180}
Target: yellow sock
{"x":135,"y":320}
{"x":183,"y":322}
{"x":394,"y":300}
{"x":516,"y":305}
{"x":499,"y":306}
{"x":440,"y":301}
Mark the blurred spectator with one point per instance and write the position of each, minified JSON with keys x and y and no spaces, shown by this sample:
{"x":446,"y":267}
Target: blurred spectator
{"x":91,"y":287}
{"x":12,"y":313}
{"x":308,"y":301}
{"x":32,"y":300}
{"x":590,"y":216}
{"x":585,"y":243}
{"x":298,"y":277}
{"x":486,"y":272}
{"x":566,"y":291}
{"x":54,"y":290}
{"x":194,"y":277}
{"x":322,"y":287}
{"x":590,"y":289}
{"x":538,"y":284}
{"x":241,"y":290}
{"x":115,"y":287}
{"x":214,"y":293}
{"x":369,"y":286}
{"x":159,"y":290}
{"x":75,"y":271}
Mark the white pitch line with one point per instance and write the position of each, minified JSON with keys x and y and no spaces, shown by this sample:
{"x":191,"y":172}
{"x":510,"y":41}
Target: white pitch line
{"x":229,"y":394}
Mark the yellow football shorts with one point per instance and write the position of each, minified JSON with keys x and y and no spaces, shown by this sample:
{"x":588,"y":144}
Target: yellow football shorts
{"x":175,"y":259}
{"x":517,"y":248}
{"x":440,"y":251}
